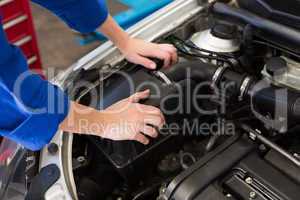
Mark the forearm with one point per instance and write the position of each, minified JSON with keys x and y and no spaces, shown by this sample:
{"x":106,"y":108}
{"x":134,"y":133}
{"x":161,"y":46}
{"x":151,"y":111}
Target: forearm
{"x":114,"y":32}
{"x":83,"y":120}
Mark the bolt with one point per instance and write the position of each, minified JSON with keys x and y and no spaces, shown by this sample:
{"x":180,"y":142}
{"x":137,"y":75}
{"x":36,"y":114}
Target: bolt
{"x":249,"y":180}
{"x":258,"y":131}
{"x":252,"y":195}
{"x":52,"y":148}
{"x":162,"y":189}
{"x":228,"y":195}
{"x":252,"y":136}
{"x":262,"y":148}
{"x":81,"y":159}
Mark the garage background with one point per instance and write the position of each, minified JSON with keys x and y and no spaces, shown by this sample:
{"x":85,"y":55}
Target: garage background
{"x":55,"y":39}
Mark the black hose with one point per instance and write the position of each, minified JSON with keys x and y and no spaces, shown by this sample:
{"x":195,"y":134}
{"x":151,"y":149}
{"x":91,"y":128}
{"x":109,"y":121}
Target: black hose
{"x":195,"y":70}
{"x":203,"y":56}
{"x":289,"y":35}
{"x":276,"y":102}
{"x":265,"y":99}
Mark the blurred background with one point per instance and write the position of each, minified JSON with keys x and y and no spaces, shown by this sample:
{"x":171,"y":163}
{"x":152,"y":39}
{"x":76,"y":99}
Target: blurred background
{"x":48,"y":43}
{"x":55,"y":39}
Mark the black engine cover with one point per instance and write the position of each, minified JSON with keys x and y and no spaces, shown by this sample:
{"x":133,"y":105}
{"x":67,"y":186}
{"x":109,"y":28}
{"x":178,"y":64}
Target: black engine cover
{"x":129,"y":157}
{"x":235,"y":170}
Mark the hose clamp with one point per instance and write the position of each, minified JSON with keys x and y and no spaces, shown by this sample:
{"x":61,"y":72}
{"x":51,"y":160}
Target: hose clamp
{"x":244,"y":87}
{"x":163,"y":77}
{"x":217,"y":76}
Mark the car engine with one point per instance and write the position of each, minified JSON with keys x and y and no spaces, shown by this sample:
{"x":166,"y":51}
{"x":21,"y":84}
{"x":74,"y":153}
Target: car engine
{"x":232,"y":106}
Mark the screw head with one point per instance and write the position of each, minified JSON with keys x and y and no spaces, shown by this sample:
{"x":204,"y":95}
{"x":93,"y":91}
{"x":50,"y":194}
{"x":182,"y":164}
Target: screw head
{"x":262,"y":148}
{"x":249,"y":180}
{"x":228,"y":195}
{"x":81,"y":159}
{"x":252,"y":195}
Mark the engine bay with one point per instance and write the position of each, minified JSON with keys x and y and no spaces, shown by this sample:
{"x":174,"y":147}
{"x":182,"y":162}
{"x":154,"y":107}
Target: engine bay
{"x":232,"y":107}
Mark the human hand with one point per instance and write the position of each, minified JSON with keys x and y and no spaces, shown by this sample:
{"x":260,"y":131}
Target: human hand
{"x":139,"y":51}
{"x":129,"y":120}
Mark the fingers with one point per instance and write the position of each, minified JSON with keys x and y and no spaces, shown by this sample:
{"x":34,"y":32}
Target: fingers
{"x":172,"y":50}
{"x":152,"y":115}
{"x":143,"y":61}
{"x":141,"y":138}
{"x":155,"y":120}
{"x":149,"y":109}
{"x":150,"y":131}
{"x":135,"y":98}
{"x":162,"y":55}
{"x":165,"y":52}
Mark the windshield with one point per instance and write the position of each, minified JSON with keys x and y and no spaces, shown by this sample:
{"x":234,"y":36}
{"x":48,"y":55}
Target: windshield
{"x":12,"y":171}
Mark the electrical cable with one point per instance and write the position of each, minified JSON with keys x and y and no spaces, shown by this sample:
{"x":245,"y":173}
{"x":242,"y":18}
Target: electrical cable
{"x":213,"y":55}
{"x":191,"y":45}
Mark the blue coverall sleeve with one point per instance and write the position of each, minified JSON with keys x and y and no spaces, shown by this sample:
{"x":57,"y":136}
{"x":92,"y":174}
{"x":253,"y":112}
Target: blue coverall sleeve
{"x":82,"y":15}
{"x":31,"y":108}
{"x":32,"y":130}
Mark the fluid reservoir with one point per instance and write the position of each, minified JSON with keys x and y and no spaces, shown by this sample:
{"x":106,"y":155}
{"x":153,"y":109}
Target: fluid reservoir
{"x":221,"y":38}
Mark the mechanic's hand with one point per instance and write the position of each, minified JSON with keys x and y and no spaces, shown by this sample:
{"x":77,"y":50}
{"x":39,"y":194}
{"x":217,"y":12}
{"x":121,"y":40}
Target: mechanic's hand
{"x":129,"y":120}
{"x":139,"y":51}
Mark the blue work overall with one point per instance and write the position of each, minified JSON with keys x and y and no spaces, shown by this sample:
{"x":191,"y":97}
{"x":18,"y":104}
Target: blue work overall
{"x":31,"y":108}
